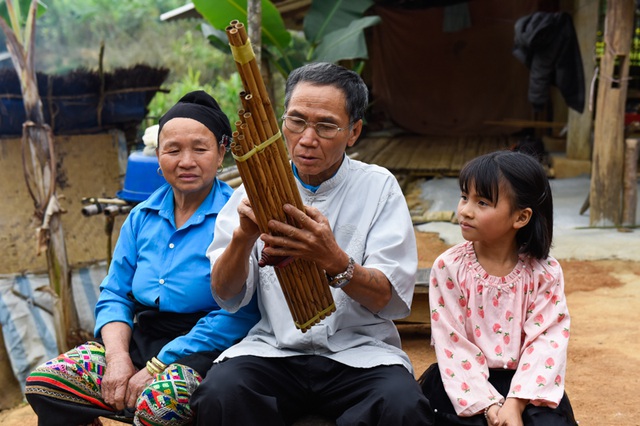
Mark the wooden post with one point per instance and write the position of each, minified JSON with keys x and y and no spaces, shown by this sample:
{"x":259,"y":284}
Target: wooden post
{"x":608,"y":151}
{"x":581,"y":124}
{"x":630,"y":197}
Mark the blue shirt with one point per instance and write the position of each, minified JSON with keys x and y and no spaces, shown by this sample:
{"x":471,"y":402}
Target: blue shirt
{"x":156,"y":265}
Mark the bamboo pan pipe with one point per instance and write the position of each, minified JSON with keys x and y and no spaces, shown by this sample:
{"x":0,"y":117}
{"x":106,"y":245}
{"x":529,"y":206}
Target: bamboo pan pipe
{"x":263,"y":165}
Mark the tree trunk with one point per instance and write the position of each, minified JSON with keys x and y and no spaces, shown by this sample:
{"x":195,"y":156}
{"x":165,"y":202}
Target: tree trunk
{"x":254,"y":16}
{"x":39,"y":162}
{"x":608,"y":153}
{"x":254,"y":30}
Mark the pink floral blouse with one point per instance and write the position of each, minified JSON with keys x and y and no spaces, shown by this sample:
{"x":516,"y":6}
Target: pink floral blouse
{"x":518,"y":322}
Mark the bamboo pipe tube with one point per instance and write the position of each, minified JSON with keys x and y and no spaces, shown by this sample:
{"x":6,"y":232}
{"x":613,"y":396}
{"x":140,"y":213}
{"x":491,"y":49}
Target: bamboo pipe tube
{"x":285,"y":172}
{"x":269,"y":177}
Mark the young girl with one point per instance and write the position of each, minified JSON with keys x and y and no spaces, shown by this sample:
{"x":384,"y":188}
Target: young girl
{"x":499,"y":319}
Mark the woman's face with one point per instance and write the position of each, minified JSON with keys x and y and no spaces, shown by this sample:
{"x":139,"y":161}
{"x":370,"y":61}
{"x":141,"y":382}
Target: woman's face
{"x":189,"y":156}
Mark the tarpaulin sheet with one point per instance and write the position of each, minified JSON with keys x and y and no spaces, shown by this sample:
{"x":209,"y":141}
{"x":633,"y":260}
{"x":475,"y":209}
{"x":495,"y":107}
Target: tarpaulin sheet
{"x":26,"y":314}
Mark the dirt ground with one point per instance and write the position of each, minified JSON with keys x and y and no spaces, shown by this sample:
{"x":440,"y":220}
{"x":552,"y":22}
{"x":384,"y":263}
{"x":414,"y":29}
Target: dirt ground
{"x":604,"y":349}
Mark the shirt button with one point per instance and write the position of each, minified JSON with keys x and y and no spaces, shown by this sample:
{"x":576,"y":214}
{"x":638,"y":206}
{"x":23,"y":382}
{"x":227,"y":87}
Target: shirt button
{"x":161,"y":281}
{"x":506,"y":366}
{"x":510,"y":285}
{"x":171,"y":245}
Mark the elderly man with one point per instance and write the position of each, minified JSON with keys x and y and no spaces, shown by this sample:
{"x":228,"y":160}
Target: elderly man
{"x":356,"y":226}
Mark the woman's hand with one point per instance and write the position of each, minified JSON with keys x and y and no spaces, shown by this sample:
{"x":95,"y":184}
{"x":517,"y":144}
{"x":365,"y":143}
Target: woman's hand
{"x":115,"y":382}
{"x":137,"y":383}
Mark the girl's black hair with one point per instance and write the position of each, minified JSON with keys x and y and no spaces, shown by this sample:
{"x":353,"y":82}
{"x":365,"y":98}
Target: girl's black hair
{"x":528,"y":185}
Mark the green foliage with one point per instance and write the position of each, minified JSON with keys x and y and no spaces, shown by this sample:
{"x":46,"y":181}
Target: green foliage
{"x":345,"y":43}
{"x":69,"y":36}
{"x":333,"y":30}
{"x":330,"y":15}
{"x":224,"y":90}
{"x":220,"y":12}
{"x":21,"y":9}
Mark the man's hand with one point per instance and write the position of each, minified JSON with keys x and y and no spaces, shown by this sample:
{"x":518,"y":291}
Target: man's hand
{"x":248,"y":222}
{"x":311,"y":240}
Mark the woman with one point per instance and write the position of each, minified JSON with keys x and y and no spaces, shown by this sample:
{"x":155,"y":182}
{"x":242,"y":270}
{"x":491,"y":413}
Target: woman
{"x":158,"y":328}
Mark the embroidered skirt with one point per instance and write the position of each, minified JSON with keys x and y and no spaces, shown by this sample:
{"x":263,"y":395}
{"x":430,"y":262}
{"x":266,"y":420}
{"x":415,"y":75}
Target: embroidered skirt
{"x":67,"y":389}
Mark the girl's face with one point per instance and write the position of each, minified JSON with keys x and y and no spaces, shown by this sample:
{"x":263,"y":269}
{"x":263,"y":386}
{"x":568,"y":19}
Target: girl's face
{"x":484,"y":221}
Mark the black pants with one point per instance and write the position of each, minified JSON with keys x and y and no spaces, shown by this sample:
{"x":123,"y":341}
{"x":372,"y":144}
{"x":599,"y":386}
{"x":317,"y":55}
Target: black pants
{"x":251,"y":390}
{"x":445,"y":414}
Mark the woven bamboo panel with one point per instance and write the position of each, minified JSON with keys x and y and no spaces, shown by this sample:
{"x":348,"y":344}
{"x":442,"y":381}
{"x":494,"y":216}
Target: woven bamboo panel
{"x":423,"y":156}
{"x":89,"y":167}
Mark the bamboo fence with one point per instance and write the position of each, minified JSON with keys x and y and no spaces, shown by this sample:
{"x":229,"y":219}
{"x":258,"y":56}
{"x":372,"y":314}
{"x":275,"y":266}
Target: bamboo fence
{"x":263,"y":165}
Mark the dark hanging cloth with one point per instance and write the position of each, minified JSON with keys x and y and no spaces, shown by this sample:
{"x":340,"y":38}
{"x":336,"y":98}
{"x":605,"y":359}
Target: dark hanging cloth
{"x":547,"y":44}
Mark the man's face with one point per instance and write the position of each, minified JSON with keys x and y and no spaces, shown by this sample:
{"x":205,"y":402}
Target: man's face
{"x":317,"y":158}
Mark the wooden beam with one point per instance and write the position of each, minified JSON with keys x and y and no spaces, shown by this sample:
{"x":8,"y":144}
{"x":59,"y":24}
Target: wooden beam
{"x":585,"y":18}
{"x":608,"y":151}
{"x":527,"y":123}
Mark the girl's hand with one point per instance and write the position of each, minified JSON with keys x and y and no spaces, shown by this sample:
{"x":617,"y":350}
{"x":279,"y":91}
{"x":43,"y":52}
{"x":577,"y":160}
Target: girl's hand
{"x":492,"y":415}
{"x":510,"y":414}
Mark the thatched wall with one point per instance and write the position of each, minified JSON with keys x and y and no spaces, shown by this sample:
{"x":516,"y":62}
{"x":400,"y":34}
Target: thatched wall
{"x":89,"y":166}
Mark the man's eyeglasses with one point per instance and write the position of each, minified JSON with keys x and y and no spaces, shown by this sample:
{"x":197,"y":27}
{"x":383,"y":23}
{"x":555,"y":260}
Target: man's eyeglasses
{"x":299,"y":125}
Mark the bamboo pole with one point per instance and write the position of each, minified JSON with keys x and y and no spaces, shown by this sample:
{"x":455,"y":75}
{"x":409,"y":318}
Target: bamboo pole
{"x":264,"y":168}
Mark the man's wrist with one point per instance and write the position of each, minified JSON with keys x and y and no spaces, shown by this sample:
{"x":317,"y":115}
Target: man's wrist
{"x":343,"y":278}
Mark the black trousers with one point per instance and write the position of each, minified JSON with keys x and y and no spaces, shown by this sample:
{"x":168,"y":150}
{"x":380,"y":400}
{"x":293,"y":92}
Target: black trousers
{"x":250,"y":390}
{"x":445,"y":414}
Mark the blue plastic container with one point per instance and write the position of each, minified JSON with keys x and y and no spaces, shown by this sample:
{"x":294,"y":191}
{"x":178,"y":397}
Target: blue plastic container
{"x":141,"y":178}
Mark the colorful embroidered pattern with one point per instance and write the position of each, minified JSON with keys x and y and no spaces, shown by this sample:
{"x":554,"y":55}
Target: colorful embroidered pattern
{"x":166,"y":400}
{"x":72,"y":376}
{"x":76,"y":376}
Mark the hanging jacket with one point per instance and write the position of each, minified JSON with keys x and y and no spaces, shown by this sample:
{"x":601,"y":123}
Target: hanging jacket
{"x":547,"y":44}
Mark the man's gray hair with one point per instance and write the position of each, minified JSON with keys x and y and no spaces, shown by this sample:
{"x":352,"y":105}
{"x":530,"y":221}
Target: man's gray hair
{"x":327,"y":74}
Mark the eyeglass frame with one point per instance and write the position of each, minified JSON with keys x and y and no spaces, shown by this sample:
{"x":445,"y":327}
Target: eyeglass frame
{"x":314,"y":126}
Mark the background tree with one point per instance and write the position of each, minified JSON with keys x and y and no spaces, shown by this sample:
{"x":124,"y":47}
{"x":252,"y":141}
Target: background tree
{"x":39,"y":163}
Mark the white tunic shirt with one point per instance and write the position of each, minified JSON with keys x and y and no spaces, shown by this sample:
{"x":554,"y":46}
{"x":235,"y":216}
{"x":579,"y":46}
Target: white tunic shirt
{"x":371,"y":222}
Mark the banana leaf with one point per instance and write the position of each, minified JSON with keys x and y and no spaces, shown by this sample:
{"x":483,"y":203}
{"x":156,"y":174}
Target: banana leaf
{"x":220,"y":12}
{"x":327,"y":16}
{"x":345,"y":43}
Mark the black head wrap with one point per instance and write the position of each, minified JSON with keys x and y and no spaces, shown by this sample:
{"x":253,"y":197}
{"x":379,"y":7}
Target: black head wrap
{"x":200,"y":106}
